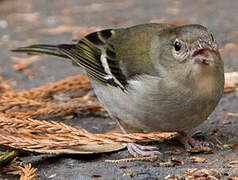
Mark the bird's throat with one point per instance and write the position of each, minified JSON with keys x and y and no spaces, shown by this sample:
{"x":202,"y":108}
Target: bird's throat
{"x":205,"y":83}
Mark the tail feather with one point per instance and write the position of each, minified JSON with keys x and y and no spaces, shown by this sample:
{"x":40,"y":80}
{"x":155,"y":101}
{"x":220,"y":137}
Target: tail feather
{"x":41,"y":49}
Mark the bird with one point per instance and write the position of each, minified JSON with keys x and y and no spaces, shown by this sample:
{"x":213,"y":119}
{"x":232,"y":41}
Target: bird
{"x":149,"y":77}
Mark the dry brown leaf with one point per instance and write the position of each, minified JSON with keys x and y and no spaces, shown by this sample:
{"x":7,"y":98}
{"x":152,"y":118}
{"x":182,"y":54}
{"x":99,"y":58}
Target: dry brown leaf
{"x":197,"y":159}
{"x":233,"y":164}
{"x":231,"y":47}
{"x":235,"y":33}
{"x":77,"y":83}
{"x":231,"y":77}
{"x":26,"y":61}
{"x":96,"y":176}
{"x":5,"y":86}
{"x":229,"y":87}
{"x":144,"y":158}
{"x":55,"y":138}
{"x":193,"y":174}
{"x":232,"y":178}
{"x":29,"y":73}
{"x":226,"y":122}
{"x":232,"y":114}
{"x":52,"y":176}
{"x":28,"y":172}
{"x":12,"y":169}
{"x":23,"y":64}
{"x":234,"y":146}
{"x":172,"y":162}
{"x":55,"y":110}
{"x":231,"y":81}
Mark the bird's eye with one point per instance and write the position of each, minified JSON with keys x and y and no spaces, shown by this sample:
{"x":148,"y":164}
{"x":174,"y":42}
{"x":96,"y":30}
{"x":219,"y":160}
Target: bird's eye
{"x":177,"y":46}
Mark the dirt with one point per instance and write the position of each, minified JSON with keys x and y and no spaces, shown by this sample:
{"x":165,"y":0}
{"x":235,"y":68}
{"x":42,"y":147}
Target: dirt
{"x":57,"y":21}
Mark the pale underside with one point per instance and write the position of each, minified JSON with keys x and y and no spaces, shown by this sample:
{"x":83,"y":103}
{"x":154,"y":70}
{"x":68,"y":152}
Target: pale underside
{"x":148,"y":106}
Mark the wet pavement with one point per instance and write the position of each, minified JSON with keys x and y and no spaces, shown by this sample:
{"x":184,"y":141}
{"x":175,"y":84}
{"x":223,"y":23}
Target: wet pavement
{"x":23,"y":22}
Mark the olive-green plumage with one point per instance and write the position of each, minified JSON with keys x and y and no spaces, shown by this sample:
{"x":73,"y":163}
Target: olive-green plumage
{"x":150,"y":77}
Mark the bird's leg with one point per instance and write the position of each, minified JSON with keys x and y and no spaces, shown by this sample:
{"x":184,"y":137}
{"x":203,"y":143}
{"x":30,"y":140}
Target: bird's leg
{"x":90,"y":94}
{"x":193,"y":145}
{"x":137,"y":150}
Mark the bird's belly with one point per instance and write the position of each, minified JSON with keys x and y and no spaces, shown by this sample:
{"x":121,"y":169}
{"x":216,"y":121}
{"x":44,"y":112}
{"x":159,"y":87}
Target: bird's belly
{"x":151,"y":109}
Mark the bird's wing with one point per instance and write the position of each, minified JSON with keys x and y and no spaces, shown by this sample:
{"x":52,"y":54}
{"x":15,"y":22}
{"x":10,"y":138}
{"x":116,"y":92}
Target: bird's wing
{"x":114,"y":56}
{"x":97,"y":56}
{"x":111,"y":56}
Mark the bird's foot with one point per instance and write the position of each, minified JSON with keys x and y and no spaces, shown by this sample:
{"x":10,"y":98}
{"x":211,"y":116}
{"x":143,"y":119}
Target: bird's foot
{"x":137,"y":150}
{"x":193,"y":145}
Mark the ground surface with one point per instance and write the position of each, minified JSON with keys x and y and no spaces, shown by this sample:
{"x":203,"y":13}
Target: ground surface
{"x":25,"y":21}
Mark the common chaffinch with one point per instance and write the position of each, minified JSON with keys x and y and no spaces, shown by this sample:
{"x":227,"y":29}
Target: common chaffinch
{"x":149,"y":77}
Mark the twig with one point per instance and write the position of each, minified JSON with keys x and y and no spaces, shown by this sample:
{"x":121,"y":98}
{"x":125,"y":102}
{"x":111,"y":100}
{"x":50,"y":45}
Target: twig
{"x":144,"y":158}
{"x":53,"y":137}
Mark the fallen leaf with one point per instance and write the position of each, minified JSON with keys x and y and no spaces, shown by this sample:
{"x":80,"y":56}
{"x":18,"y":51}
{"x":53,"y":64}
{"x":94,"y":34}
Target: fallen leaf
{"x":234,"y":146}
{"x":29,"y":73}
{"x":226,"y":122}
{"x":123,"y":167}
{"x":172,"y":163}
{"x":4,"y":85}
{"x":231,"y":81}
{"x":28,"y":172}
{"x":233,"y":164}
{"x":24,"y":63}
{"x":231,"y":47}
{"x":52,"y":176}
{"x":202,"y":174}
{"x":156,"y":165}
{"x":232,"y":114}
{"x":178,"y":151}
{"x":232,"y":178}
{"x":168,"y":177}
{"x":96,"y":176}
{"x":128,"y":174}
{"x":229,"y":87}
{"x":143,"y":158}
{"x":197,"y":159}
{"x":235,"y":33}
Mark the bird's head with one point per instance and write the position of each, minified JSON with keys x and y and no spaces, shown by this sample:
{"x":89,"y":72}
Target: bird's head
{"x":188,"y":51}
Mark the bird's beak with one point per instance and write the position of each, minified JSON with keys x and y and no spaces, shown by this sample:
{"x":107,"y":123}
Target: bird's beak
{"x":204,"y":54}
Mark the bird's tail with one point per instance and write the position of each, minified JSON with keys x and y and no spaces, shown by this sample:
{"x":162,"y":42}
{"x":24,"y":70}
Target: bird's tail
{"x":40,"y":49}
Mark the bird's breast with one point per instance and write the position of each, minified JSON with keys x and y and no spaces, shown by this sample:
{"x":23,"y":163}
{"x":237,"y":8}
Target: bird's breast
{"x":154,"y":104}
